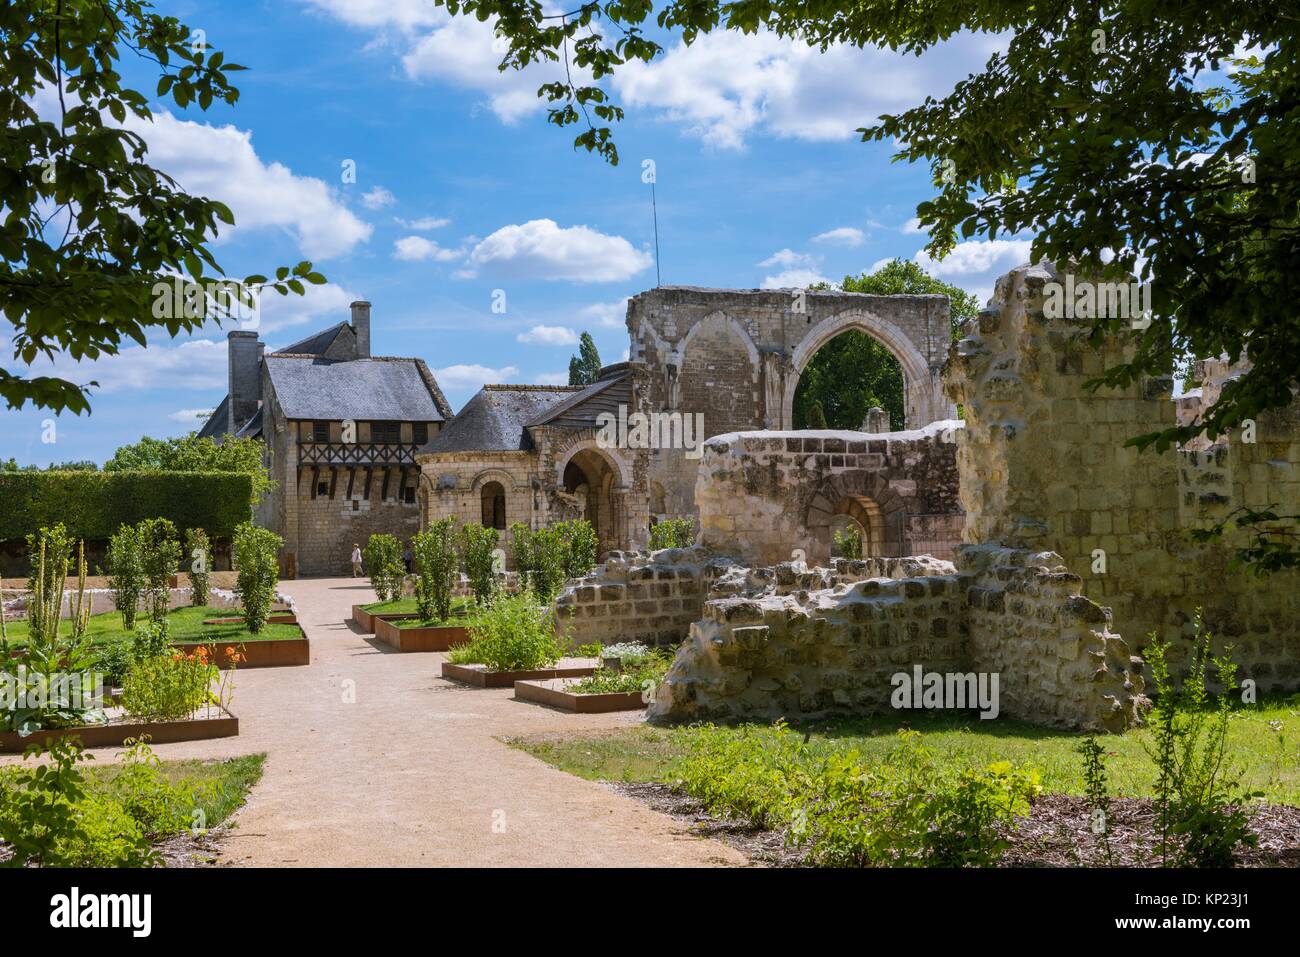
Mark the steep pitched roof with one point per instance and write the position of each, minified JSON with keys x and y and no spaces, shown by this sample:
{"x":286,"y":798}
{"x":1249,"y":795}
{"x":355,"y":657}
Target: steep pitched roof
{"x":580,"y":410}
{"x":496,"y":419}
{"x":317,"y":343}
{"x":309,"y":387}
{"x":252,"y":428}
{"x":217,"y":421}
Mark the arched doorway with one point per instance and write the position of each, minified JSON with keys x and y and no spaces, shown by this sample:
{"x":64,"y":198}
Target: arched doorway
{"x":851,"y":373}
{"x":594,"y":479}
{"x":865,"y":500}
{"x":923,"y":400}
{"x":492,"y":498}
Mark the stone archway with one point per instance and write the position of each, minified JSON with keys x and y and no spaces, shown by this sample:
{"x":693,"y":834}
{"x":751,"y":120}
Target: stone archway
{"x":868,"y":499}
{"x":595,"y":482}
{"x":923,"y":398}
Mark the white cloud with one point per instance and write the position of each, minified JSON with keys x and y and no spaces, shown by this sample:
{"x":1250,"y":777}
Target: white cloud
{"x":197,"y":364}
{"x":471,"y":376}
{"x":423,"y":224}
{"x":978,"y":256}
{"x":399,"y":14}
{"x":417,"y":249}
{"x":793,"y":279}
{"x":326,"y":304}
{"x":611,"y":315}
{"x":552,"y":378}
{"x":727,"y":85}
{"x":377,"y":198}
{"x":219,"y":162}
{"x":789,"y":259}
{"x":549,"y":336}
{"x":912,"y":227}
{"x":842,"y":236}
{"x":190,"y":416}
{"x":540,"y":249}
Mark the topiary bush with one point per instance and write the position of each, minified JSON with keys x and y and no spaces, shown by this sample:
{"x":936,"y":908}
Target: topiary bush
{"x":436,"y":567}
{"x":257,"y":565}
{"x":384,"y":565}
{"x":126,"y":573}
{"x":478,"y":552}
{"x":199,"y":550}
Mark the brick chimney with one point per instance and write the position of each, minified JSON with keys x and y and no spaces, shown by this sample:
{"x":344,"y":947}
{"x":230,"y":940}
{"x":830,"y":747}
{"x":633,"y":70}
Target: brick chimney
{"x":245,"y":354}
{"x":361,"y":326}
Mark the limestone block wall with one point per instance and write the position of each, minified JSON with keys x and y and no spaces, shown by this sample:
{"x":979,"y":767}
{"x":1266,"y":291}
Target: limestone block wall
{"x":1043,"y":467}
{"x":763,"y":494}
{"x":327,"y":528}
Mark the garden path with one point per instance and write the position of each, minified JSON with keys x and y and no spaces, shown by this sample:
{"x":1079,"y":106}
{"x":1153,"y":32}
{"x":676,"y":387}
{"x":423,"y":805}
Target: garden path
{"x":412,"y":772}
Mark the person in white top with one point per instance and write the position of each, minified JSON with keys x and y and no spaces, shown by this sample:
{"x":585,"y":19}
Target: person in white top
{"x":356,"y":561}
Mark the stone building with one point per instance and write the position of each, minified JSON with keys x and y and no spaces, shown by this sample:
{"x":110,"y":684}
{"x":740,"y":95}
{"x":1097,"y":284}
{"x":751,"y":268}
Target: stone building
{"x":532,"y":454}
{"x":342,"y":429}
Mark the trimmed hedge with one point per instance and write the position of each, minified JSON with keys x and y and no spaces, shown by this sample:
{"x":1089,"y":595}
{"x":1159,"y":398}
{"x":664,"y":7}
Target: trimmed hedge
{"x":94,"y":504}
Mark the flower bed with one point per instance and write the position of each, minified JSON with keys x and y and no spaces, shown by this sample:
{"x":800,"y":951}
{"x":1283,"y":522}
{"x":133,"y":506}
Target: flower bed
{"x":252,"y":653}
{"x":480,"y":677}
{"x":412,"y":636}
{"x":113,"y":734}
{"x":558,"y":693}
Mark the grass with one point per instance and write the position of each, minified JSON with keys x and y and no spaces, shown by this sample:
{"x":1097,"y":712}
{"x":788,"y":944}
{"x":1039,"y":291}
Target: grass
{"x":460,"y":607}
{"x":230,"y":781}
{"x":185,"y":624}
{"x":1267,"y":755}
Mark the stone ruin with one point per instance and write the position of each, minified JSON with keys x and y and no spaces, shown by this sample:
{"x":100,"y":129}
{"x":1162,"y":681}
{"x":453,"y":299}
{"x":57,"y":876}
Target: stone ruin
{"x":1073,"y":548}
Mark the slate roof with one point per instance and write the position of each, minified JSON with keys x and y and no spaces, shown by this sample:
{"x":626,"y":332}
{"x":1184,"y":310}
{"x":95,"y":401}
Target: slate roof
{"x":309,"y":387}
{"x":316,"y":343}
{"x":217,"y":421}
{"x":496,"y":419}
{"x":580,"y":410}
{"x":252,"y":428}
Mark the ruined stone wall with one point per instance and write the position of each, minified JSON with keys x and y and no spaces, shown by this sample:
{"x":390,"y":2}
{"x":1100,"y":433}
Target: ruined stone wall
{"x":1043,"y":467}
{"x":763,"y":494}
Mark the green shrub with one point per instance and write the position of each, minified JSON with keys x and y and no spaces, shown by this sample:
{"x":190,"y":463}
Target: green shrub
{"x":159,"y":807}
{"x":478,"y":548}
{"x":48,"y":818}
{"x":436,"y":568}
{"x":1200,"y":814}
{"x":150,"y":640}
{"x":848,"y":542}
{"x":160,"y":557}
{"x":258,"y":572}
{"x":168,"y":687}
{"x":672,"y":533}
{"x":514,"y":633}
{"x":540,"y":556}
{"x":641,"y":674}
{"x":384,"y":565}
{"x":126,"y":573}
{"x":113,"y":659}
{"x":94,"y":505}
{"x":580,"y":546}
{"x":199,"y":550}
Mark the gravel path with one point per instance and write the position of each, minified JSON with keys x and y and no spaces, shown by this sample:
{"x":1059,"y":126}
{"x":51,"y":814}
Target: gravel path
{"x":411,"y":772}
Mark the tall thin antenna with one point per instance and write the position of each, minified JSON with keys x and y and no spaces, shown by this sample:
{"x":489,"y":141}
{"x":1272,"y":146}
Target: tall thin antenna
{"x":654,"y":207}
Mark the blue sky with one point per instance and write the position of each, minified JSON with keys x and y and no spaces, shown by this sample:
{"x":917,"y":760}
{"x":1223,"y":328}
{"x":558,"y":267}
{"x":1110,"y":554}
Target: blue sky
{"x":463,"y":188}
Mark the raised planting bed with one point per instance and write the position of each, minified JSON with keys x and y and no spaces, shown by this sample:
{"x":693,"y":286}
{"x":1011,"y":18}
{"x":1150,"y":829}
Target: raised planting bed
{"x":257,"y":653}
{"x":114,"y":734}
{"x":276,"y":618}
{"x":555,"y":692}
{"x":417,"y":638}
{"x":480,"y":677}
{"x":368,"y":619}
{"x":404,"y":609}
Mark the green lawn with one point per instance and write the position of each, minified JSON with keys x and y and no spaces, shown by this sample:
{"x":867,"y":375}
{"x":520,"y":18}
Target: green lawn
{"x":1268,"y":754}
{"x":185,"y":624}
{"x":460,"y":609}
{"x":223,"y":784}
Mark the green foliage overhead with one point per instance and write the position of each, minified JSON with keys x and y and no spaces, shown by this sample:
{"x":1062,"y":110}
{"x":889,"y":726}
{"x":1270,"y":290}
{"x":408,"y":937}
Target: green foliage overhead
{"x":94,"y":505}
{"x":189,"y":453}
{"x":585,"y":366}
{"x":903,"y":277}
{"x":90,"y":227}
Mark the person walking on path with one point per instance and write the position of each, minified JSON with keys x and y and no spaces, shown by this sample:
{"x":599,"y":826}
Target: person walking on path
{"x":356,"y":560}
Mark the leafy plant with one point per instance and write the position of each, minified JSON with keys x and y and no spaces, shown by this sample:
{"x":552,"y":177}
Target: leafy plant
{"x":436,"y":568}
{"x":580,"y":546}
{"x":478,"y":547}
{"x":126,"y":573}
{"x":540,"y":556}
{"x":160,"y":807}
{"x":169,"y":687}
{"x":1097,"y":789}
{"x":848,"y":542}
{"x":1200,"y":801}
{"x":513,"y":633}
{"x":47,"y":817}
{"x":199,"y":550}
{"x":383,"y":557}
{"x":150,"y":640}
{"x":257,"y":569}
{"x":642,"y":674}
{"x":672,"y":533}
{"x":113,"y":659}
{"x":160,"y":557}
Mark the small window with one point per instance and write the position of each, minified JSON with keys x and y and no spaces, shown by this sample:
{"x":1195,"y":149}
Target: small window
{"x":386,"y":432}
{"x":320,"y":431}
{"x":408,"y":495}
{"x":322,"y":488}
{"x":421,"y":432}
{"x":356,"y":506}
